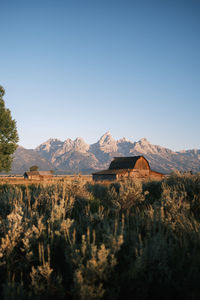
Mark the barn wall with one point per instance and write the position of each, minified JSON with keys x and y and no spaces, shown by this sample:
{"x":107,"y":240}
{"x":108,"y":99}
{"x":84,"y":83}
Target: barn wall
{"x":142,"y":164}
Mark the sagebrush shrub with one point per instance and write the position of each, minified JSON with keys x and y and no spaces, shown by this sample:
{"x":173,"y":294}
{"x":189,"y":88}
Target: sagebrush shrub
{"x":126,"y":239}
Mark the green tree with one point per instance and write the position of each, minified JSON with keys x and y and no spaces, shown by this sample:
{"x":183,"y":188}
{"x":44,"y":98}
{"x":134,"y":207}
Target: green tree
{"x":34,"y":168}
{"x":8,"y":135}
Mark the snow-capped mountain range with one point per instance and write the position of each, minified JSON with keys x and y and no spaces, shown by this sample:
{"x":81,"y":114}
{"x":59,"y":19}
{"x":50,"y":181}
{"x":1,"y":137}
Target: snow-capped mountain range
{"x":77,"y":156}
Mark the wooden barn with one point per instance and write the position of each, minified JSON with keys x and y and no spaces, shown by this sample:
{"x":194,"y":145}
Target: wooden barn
{"x":127,"y":167}
{"x":38,"y":175}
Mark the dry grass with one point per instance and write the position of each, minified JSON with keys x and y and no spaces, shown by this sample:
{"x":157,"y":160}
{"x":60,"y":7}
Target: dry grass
{"x":56,"y":179}
{"x":75,"y":239}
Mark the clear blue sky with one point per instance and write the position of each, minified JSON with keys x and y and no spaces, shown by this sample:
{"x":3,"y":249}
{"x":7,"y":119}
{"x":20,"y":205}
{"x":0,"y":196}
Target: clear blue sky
{"x":81,"y":68}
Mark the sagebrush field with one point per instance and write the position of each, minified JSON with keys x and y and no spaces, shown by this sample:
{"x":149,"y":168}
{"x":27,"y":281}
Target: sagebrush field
{"x":79,"y":240}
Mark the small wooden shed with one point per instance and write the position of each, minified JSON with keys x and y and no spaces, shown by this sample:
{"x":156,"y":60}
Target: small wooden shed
{"x":38,"y":175}
{"x":127,"y":167}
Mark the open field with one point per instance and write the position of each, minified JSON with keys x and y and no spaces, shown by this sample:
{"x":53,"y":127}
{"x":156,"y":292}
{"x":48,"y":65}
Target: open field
{"x":56,"y":179}
{"x":75,"y":239}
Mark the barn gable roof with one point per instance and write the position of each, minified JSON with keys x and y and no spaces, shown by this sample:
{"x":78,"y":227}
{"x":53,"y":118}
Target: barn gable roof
{"x":125,"y":162}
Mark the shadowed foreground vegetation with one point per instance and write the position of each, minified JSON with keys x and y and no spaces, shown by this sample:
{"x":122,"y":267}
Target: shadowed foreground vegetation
{"x":125,"y":240}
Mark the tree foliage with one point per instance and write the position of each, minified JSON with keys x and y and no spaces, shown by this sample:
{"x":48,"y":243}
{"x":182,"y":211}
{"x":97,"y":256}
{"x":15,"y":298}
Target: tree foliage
{"x":34,"y":168}
{"x":8,"y":135}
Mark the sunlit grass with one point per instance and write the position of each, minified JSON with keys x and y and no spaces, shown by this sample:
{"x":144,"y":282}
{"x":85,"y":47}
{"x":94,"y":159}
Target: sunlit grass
{"x":75,"y":239}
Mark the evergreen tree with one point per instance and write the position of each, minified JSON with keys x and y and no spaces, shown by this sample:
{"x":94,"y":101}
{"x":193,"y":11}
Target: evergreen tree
{"x":8,"y":135}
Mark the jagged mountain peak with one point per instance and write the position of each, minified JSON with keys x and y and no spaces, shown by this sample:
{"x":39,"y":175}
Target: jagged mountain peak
{"x":80,"y":145}
{"x":48,"y":148}
{"x":79,"y":140}
{"x":144,"y":147}
{"x":67,"y":146}
{"x":48,"y":143}
{"x":144,"y":141}
{"x":123,"y":140}
{"x":106,"y":138}
{"x":68,"y":141}
{"x":106,"y":144}
{"x":51,"y":140}
{"x":77,"y":154}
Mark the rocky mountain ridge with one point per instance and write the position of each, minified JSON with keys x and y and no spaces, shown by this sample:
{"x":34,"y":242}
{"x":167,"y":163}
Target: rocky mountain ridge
{"x":77,"y":156}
